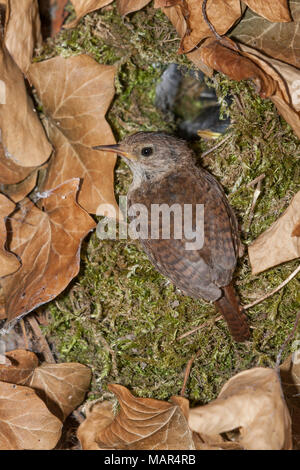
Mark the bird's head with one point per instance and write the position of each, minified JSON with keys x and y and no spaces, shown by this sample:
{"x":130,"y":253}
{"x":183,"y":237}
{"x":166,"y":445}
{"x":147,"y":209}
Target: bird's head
{"x":149,"y":154}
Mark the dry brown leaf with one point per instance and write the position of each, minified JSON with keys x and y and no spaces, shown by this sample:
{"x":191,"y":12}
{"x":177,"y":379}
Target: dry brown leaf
{"x":277,"y":244}
{"x":273,"y":11}
{"x":128,"y":6}
{"x":22,"y":30}
{"x":17,"y":117}
{"x":236,"y":66}
{"x":9,"y":263}
{"x":17,"y":192}
{"x":25,"y":421}
{"x":61,"y":386}
{"x":290,"y":379}
{"x":98,"y":418}
{"x":10,"y":173}
{"x":287,"y":78}
{"x":48,"y":242}
{"x":83,"y":7}
{"x":76,"y":93}
{"x":278,"y":40}
{"x":178,"y":21}
{"x":188,"y":18}
{"x":141,"y":424}
{"x":296,"y":230}
{"x":251,"y":401}
{"x":21,"y":367}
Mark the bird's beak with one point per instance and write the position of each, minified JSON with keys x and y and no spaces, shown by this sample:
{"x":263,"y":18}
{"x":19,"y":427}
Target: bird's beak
{"x":115,"y":149}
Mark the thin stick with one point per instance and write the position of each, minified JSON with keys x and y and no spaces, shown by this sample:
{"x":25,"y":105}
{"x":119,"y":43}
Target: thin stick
{"x":290,"y":336}
{"x":199,"y":328}
{"x":24,"y":333}
{"x":256,"y":195}
{"x":284,"y":283}
{"x":256,"y":180}
{"x":216,"y":146}
{"x":187,"y":374}
{"x":211,"y":27}
{"x":45,"y":346}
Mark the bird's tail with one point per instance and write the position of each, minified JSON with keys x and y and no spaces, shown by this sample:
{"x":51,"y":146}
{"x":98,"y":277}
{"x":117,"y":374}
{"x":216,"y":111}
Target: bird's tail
{"x":233,"y":313}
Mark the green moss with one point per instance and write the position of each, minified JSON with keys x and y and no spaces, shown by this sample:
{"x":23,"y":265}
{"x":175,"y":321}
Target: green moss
{"x":120,"y":316}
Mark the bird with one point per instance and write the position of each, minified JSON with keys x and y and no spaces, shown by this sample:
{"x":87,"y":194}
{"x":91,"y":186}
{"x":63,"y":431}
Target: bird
{"x":165,"y":172}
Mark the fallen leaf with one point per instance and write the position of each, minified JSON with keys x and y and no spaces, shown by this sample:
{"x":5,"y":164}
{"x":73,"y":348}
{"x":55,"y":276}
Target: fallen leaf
{"x":61,"y":386}
{"x":76,"y":93}
{"x":277,"y":244}
{"x":25,"y":421}
{"x":10,"y":173}
{"x":290,"y":380}
{"x":251,"y":401}
{"x":287,"y":78}
{"x":296,"y":230}
{"x":48,"y":242}
{"x":17,"y":192}
{"x":128,"y":6}
{"x":273,"y":11}
{"x":58,"y":15}
{"x":98,"y":418}
{"x":21,"y":367}
{"x":193,"y":26}
{"x":236,"y":66}
{"x":278,"y":40}
{"x":9,"y":263}
{"x":141,"y":424}
{"x":178,"y":21}
{"x":83,"y":7}
{"x":22,"y":30}
{"x":18,"y":117}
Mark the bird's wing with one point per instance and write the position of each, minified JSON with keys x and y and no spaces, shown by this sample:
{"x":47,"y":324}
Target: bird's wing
{"x":197,"y":272}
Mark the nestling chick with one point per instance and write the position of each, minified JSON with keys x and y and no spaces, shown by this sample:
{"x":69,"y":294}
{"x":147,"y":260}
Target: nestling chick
{"x":164,"y":172}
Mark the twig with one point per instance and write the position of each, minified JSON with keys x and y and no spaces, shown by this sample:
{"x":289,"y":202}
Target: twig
{"x":256,"y":180}
{"x":186,"y":375}
{"x":256,"y":195}
{"x":45,"y":346}
{"x":211,"y":27}
{"x":24,"y":333}
{"x":198,"y":328}
{"x":291,"y":276}
{"x":290,"y":336}
{"x":216,"y":146}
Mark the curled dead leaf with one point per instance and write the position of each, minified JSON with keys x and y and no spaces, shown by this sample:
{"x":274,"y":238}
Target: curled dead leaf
{"x":290,"y":379}
{"x":25,"y":421}
{"x":142,"y":423}
{"x":251,"y":401}
{"x":61,"y":386}
{"x":10,"y":173}
{"x":17,"y":117}
{"x":188,"y":19}
{"x":83,"y":7}
{"x":75,"y":101}
{"x":236,"y":66}
{"x":9,"y":263}
{"x":128,"y":6}
{"x":21,"y":367}
{"x":277,"y":40}
{"x":48,"y":241}
{"x":273,"y":11}
{"x":16,"y":192}
{"x":267,"y":250}
{"x":22,"y":30}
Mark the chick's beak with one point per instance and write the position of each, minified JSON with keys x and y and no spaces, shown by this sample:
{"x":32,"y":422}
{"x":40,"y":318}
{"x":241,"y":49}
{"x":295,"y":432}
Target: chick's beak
{"x":117,"y":148}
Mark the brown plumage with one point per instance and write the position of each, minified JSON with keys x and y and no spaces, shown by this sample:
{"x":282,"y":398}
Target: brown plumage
{"x":164,"y":172}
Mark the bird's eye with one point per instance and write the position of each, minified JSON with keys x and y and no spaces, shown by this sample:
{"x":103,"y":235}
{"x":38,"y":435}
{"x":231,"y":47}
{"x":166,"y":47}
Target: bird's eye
{"x":147,"y":151}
